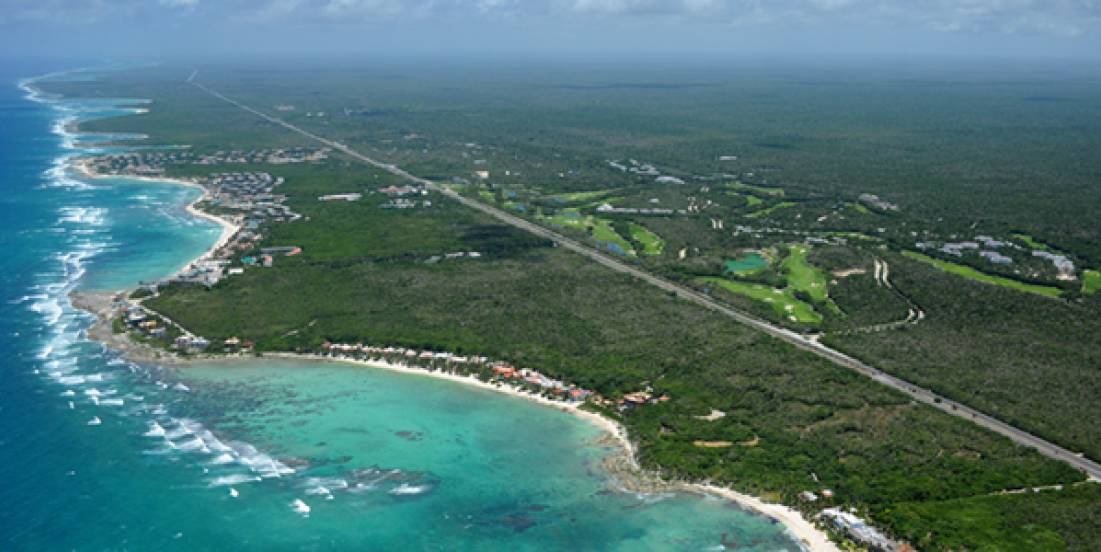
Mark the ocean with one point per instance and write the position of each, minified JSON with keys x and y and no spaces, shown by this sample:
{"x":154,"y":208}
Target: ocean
{"x":98,"y":453}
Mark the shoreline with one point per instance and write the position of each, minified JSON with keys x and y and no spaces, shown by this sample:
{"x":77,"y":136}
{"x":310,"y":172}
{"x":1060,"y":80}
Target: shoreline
{"x":622,"y":466}
{"x":229,"y":228}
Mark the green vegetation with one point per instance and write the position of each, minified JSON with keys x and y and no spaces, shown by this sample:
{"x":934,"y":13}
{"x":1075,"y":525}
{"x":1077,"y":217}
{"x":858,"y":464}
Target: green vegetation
{"x":769,"y":210}
{"x":365,"y":272}
{"x":854,"y":289}
{"x":1067,"y":519}
{"x":583,"y":197}
{"x":570,"y":218}
{"x":801,"y":276}
{"x":606,"y":236}
{"x":758,"y":189}
{"x":651,"y":242}
{"x":859,"y":208}
{"x":1004,"y":352}
{"x":1031,"y":242}
{"x":751,"y":200}
{"x":972,"y":274}
{"x":782,"y":300}
{"x":1091,"y":281}
{"x":803,"y":285}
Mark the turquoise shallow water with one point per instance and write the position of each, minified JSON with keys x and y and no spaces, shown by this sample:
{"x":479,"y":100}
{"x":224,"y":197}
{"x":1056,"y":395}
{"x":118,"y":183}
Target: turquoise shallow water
{"x":100,"y":454}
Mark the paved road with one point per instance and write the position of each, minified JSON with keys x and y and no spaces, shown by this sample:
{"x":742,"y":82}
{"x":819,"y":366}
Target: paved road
{"x":920,"y":394}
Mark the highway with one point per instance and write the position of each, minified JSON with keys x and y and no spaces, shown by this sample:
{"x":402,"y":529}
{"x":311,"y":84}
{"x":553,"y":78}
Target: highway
{"x":1090,"y":468}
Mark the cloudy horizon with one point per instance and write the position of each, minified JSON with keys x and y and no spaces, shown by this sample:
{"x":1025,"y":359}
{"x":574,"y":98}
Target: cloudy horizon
{"x":1011,"y":28}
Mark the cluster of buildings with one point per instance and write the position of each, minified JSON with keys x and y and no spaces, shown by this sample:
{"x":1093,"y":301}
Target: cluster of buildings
{"x":341,"y":197}
{"x":399,"y":199}
{"x":195,"y":344}
{"x":276,"y":156}
{"x":811,"y":496}
{"x":499,"y":371}
{"x":1062,"y":264}
{"x":983,"y":245}
{"x":858,"y":530}
{"x":371,"y":351}
{"x":206,"y":272}
{"x":570,"y":392}
{"x":149,"y":163}
{"x":402,"y":191}
{"x":609,"y":209}
{"x":995,"y":257}
{"x":251,"y":193}
{"x":191,"y":344}
{"x":140,"y":321}
{"x":807,"y":237}
{"x":153,"y":162}
{"x":402,"y":203}
{"x":668,"y":180}
{"x":149,"y":325}
{"x":455,"y":255}
{"x":631,"y":400}
{"x":875,"y":201}
{"x":635,"y":167}
{"x":494,"y":371}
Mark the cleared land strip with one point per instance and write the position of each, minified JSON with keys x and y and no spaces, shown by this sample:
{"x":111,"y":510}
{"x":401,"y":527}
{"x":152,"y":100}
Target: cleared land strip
{"x":1051,"y":450}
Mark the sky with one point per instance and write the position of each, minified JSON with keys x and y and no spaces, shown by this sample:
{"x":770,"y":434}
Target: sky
{"x":182,"y":28}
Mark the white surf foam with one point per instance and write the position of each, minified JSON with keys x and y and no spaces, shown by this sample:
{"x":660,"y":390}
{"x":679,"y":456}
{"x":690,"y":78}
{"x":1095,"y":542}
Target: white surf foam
{"x":234,"y":479}
{"x":407,"y":489}
{"x":224,"y":458}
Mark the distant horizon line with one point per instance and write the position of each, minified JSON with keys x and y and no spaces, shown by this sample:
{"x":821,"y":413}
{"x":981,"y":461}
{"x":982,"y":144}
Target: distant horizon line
{"x":581,"y":58}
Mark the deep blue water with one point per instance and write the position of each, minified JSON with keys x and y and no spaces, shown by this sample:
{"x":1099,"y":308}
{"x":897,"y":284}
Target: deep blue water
{"x":100,"y":454}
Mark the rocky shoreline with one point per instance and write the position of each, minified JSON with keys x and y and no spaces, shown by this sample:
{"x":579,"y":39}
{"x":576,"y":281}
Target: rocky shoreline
{"x":621,"y":464}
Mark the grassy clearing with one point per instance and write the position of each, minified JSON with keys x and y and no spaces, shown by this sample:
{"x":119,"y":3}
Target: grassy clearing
{"x":859,"y":208}
{"x":972,"y":274}
{"x":602,"y":230}
{"x":779,"y":192}
{"x":853,"y":236}
{"x":782,"y":300}
{"x":802,"y":276}
{"x":576,"y":197}
{"x":750,"y":199}
{"x":610,"y":200}
{"x":1091,"y":281}
{"x":770,"y":210}
{"x":1031,"y":242}
{"x":652,"y":244}
{"x":608,"y":238}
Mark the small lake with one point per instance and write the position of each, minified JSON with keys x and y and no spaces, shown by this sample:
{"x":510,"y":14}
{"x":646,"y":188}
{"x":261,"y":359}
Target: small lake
{"x":745,"y":264}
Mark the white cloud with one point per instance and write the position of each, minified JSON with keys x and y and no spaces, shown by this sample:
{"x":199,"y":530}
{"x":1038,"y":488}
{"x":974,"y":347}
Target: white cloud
{"x":182,"y":4}
{"x":1056,"y":18}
